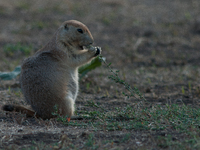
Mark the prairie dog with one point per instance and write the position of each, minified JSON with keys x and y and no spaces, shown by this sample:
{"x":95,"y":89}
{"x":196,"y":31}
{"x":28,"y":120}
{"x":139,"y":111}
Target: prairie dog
{"x":49,"y":78}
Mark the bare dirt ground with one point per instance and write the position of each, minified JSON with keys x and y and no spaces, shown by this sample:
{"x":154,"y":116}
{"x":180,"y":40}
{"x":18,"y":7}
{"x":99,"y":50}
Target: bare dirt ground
{"x":153,"y":43}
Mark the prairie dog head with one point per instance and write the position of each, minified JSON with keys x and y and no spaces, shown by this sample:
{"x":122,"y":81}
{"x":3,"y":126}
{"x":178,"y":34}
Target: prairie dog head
{"x":74,"y":35}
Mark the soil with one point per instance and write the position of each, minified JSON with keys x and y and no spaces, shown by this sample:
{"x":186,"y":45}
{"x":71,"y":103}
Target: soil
{"x":153,"y":43}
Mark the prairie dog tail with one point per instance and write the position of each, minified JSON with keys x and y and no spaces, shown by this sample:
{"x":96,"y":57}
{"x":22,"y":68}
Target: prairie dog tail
{"x":21,"y":109}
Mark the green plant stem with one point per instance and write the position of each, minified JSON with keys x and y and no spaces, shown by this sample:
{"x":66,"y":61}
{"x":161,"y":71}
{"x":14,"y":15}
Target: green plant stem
{"x":115,"y":77}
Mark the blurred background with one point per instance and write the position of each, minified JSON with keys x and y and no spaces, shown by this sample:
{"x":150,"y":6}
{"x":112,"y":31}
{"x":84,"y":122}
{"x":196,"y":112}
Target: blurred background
{"x":150,"y":41}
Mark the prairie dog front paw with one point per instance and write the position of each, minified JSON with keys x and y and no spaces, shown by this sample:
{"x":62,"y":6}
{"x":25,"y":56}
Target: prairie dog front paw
{"x":95,"y":50}
{"x":98,"y":51}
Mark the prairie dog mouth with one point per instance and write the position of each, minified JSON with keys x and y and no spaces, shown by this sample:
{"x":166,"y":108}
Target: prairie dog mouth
{"x":88,"y":47}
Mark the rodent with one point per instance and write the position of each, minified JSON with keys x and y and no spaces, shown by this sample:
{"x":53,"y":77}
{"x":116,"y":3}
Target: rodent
{"x":49,"y":78}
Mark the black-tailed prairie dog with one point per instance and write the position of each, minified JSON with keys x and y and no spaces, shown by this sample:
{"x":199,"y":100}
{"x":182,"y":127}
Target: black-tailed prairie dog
{"x":49,"y":78}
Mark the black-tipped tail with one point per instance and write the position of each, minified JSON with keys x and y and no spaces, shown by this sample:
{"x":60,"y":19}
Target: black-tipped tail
{"x":8,"y":107}
{"x":21,"y":109}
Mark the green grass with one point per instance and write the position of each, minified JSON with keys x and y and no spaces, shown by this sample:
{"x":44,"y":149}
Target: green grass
{"x":11,"y":49}
{"x":23,"y":5}
{"x":181,"y":119}
{"x":108,"y":18}
{"x":79,"y":9}
{"x":157,"y":117}
{"x":90,"y":143}
{"x":39,"y":25}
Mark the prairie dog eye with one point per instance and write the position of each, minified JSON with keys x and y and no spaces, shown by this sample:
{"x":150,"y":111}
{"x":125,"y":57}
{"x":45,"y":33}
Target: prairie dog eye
{"x":80,"y":31}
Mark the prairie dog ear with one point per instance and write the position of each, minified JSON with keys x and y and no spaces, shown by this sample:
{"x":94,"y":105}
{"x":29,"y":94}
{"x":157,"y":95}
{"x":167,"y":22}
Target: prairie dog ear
{"x":66,"y":27}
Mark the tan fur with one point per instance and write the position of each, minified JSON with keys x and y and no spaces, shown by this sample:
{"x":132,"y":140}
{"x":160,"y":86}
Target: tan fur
{"x":50,"y":77}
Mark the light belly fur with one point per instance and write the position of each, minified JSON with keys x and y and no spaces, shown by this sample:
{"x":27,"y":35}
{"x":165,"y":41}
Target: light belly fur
{"x":73,"y":85}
